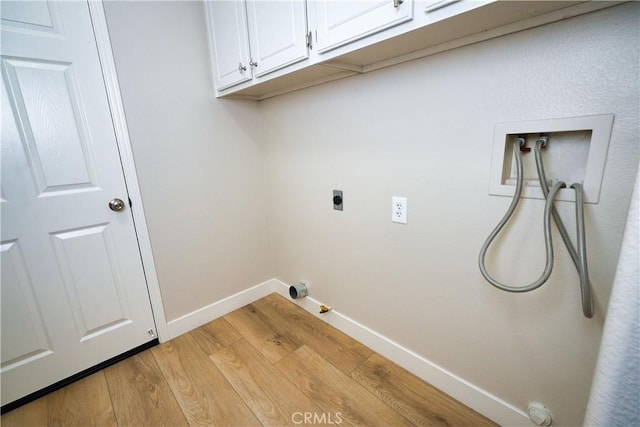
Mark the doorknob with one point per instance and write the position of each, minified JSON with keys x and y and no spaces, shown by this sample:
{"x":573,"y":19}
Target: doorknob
{"x":116,"y":205}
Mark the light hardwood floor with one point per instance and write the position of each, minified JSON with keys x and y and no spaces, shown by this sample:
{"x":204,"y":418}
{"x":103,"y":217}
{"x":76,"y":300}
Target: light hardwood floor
{"x":251,"y":367}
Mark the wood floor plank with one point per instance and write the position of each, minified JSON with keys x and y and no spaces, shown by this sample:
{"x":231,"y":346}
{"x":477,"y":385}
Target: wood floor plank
{"x":84,"y":403}
{"x":272,"y":398}
{"x":202,"y":392}
{"x":215,"y":336}
{"x":32,"y":414}
{"x":140,"y":394}
{"x":341,"y":350}
{"x":272,"y":338}
{"x":419,"y":402}
{"x":269,"y":363}
{"x":335,"y":392}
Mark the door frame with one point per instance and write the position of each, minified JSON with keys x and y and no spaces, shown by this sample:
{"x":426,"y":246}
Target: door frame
{"x":110,"y":77}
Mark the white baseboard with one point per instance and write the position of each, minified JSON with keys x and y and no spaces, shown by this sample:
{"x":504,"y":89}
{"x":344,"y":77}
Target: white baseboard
{"x":471,"y":395}
{"x":220,"y":308}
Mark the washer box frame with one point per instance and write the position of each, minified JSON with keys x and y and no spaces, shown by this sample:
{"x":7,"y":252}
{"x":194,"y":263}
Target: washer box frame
{"x":600,"y":126}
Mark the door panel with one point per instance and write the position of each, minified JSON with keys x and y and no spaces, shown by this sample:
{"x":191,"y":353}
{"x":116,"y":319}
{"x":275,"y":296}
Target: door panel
{"x":73,"y":287}
{"x":51,"y":118}
{"x":92,"y":278}
{"x":19,"y":303}
{"x":41,"y":16}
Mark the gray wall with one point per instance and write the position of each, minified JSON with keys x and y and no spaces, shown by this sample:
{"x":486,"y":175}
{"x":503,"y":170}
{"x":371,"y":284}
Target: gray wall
{"x":220,"y":222}
{"x":199,"y":159}
{"x":424,"y":130}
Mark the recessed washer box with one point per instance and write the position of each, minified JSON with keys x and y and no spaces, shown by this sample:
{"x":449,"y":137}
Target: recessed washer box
{"x":576,"y":152}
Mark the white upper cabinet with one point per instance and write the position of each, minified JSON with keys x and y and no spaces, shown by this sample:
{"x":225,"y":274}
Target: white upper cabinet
{"x":342,"y":22}
{"x":277,"y":34}
{"x":229,"y":40}
{"x":263,"y":48}
{"x":255,"y":37}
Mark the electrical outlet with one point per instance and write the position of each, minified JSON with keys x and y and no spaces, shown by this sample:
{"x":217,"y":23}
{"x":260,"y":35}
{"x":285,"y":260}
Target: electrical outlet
{"x":337,"y":200}
{"x":399,"y":209}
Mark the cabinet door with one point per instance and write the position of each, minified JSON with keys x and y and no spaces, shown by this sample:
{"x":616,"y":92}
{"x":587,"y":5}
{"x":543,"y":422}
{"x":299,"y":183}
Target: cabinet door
{"x":341,"y":22}
{"x":277,"y":33}
{"x":229,"y":42}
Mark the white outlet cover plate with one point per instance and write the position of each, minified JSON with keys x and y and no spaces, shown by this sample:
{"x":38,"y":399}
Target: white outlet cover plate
{"x":399,"y":209}
{"x":600,"y":127}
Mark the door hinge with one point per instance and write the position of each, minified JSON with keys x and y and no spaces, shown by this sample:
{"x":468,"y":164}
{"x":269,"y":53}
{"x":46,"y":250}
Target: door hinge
{"x":309,"y":40}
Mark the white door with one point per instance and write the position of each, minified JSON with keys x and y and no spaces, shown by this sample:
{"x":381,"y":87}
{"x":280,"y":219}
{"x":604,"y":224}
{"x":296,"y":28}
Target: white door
{"x":277,"y":34}
{"x":341,"y":22}
{"x":73,"y":288}
{"x":229,"y":42}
